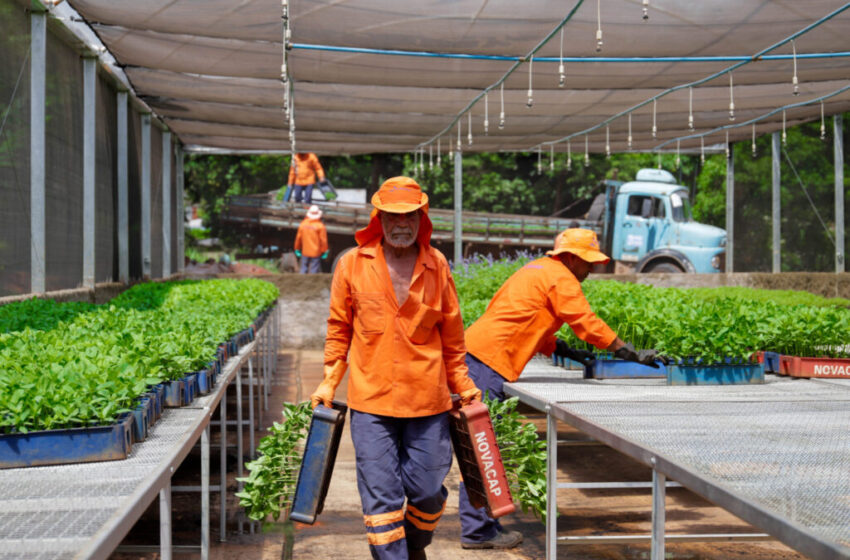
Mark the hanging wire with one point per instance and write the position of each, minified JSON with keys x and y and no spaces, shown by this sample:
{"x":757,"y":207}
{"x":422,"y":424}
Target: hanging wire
{"x":731,"y":99}
{"x":822,"y":123}
{"x":502,"y":112}
{"x":530,"y":102}
{"x":551,"y":157}
{"x":728,"y":153}
{"x":629,"y":137}
{"x":569,"y":155}
{"x":469,"y":130}
{"x":811,"y":202}
{"x":678,"y":156}
{"x":439,"y":160}
{"x":784,"y":136}
{"x":754,"y":140}
{"x":451,"y":151}
{"x":645,"y":10}
{"x":539,"y":160}
{"x":607,"y":142}
{"x":422,"y":161}
{"x":459,"y":144}
{"x":598,"y":25}
{"x":658,"y":158}
{"x":586,"y":152}
{"x":486,"y":113}
{"x":690,"y":108}
{"x":562,"y":77}
{"x":794,"y":81}
{"x":654,"y":127}
{"x":430,"y":157}
{"x":702,"y":149}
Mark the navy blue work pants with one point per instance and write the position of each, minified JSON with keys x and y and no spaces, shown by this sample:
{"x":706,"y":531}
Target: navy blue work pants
{"x":475,"y":524}
{"x":311,"y":265}
{"x":307,"y":192}
{"x":400,"y":458}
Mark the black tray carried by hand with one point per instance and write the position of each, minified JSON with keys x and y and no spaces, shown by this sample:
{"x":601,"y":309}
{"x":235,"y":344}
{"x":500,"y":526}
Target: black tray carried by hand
{"x":318,"y":462}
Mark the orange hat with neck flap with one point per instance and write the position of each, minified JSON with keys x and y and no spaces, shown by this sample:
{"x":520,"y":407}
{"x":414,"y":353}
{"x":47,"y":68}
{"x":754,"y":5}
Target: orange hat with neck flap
{"x":398,"y":195}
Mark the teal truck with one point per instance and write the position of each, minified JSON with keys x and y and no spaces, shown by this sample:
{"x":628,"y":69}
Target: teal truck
{"x":646,"y":225}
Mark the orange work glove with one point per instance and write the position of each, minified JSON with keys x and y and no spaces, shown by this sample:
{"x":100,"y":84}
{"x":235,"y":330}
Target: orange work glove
{"x":466,"y":397}
{"x":324,"y":393}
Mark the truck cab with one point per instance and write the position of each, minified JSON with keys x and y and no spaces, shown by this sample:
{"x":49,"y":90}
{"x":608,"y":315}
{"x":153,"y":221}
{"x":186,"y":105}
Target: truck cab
{"x":649,"y":228}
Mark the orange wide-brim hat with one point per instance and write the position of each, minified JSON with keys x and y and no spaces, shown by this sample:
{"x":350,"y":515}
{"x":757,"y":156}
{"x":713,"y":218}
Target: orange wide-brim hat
{"x":581,"y":242}
{"x":398,"y":195}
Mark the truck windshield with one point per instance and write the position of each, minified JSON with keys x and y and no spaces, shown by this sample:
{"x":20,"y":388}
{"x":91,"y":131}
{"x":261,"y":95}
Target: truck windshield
{"x":681,"y":206}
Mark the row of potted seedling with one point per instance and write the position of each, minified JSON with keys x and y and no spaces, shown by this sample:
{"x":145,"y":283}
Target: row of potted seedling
{"x":802,"y":366}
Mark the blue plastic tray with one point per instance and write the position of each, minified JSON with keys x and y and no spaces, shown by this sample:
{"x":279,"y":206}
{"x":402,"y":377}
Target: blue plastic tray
{"x":74,"y":445}
{"x":771,"y":362}
{"x":175,"y":393}
{"x":318,"y":462}
{"x":620,"y":369}
{"x":715,"y":374}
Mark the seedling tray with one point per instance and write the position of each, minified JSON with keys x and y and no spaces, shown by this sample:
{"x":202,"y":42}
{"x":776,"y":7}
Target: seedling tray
{"x":318,"y":462}
{"x":715,"y":374}
{"x":770,"y":361}
{"x":74,"y":445}
{"x":622,"y":369}
{"x":479,"y":460}
{"x":797,"y":366}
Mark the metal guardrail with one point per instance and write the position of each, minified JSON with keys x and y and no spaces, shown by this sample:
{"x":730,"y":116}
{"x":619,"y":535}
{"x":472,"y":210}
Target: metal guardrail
{"x":346,"y":218}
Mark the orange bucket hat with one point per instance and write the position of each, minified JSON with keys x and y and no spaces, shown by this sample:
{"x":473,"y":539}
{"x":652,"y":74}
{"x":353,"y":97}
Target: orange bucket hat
{"x":400,"y":195}
{"x":580,"y":242}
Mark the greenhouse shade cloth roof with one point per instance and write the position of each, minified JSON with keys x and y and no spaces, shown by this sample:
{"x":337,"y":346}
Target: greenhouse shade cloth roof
{"x":212,"y":70}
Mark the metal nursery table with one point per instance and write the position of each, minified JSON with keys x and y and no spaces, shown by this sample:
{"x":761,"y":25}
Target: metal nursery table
{"x":776,"y":455}
{"x":85,"y":510}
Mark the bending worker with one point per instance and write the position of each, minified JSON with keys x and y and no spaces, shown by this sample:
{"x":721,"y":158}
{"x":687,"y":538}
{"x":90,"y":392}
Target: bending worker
{"x":311,"y":241}
{"x":304,"y":172}
{"x":520,"y":321}
{"x":394,"y":314}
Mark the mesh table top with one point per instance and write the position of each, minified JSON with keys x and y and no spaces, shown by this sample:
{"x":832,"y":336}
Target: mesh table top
{"x":78,"y":511}
{"x":777,"y":455}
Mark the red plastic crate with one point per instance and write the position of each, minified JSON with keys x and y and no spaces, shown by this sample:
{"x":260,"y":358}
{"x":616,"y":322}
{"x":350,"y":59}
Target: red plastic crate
{"x":797,"y":366}
{"x":480,"y":462}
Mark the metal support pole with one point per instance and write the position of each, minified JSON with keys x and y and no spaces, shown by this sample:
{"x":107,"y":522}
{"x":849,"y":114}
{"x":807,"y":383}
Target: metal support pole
{"x":166,"y":204}
{"x":659,"y":493}
{"x":165,"y":521}
{"x":776,"y":175}
{"x":730,"y":208}
{"x":222,"y":483}
{"x":89,"y":153}
{"x":458,"y":217}
{"x":551,"y":486}
{"x":205,"y":492}
{"x":146,"y":196}
{"x":38,"y":70}
{"x":181,"y":212}
{"x":239,"y":435}
{"x":838,"y":144}
{"x":123,"y":208}
{"x":251,"y":405}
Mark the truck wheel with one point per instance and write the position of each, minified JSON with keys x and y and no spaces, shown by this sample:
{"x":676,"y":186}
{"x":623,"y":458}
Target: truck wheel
{"x":339,"y":256}
{"x":665,"y":267}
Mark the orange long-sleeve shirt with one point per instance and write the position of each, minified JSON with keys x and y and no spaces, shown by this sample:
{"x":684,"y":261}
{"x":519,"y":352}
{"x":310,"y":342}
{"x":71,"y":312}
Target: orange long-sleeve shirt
{"x":312,"y":238}
{"x":305,"y":169}
{"x":525,"y":313}
{"x":405,"y":361}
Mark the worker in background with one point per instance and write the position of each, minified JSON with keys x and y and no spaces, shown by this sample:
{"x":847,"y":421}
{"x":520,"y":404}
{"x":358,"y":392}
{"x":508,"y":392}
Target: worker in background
{"x":520,"y":321}
{"x":311,"y":241}
{"x":304,"y":172}
{"x":394,"y":314}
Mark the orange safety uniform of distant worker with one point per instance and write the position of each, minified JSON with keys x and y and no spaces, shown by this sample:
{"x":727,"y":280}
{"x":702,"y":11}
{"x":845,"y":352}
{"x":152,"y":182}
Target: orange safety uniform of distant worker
{"x":395,"y":316}
{"x":520,"y":321}
{"x":304,"y":172}
{"x":311,"y":241}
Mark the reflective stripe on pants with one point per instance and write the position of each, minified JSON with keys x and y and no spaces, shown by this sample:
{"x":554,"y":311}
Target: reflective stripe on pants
{"x":400,"y":458}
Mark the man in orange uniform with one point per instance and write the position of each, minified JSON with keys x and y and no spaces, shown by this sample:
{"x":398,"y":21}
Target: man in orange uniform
{"x":311,"y":241}
{"x":520,"y":321}
{"x":304,"y":172}
{"x":394,"y":315}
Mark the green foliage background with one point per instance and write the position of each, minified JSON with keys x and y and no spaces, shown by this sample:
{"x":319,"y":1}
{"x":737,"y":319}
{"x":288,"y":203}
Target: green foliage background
{"x":513,"y":183}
